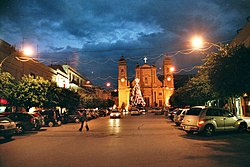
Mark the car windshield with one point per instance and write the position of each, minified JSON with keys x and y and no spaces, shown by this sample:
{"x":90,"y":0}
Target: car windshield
{"x":194,"y":111}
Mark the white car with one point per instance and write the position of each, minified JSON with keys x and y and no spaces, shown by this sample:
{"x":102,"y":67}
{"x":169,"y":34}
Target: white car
{"x":179,"y":115}
{"x":7,"y":127}
{"x":115,"y":114}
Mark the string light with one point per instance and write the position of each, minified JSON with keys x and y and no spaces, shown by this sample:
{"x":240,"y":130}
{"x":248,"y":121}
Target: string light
{"x":134,"y":59}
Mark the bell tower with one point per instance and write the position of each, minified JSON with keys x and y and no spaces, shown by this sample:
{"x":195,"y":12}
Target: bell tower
{"x":123,"y":86}
{"x":168,"y":82}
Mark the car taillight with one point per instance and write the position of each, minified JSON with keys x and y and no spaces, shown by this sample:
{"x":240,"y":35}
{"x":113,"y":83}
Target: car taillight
{"x":35,"y":114}
{"x":200,"y":123}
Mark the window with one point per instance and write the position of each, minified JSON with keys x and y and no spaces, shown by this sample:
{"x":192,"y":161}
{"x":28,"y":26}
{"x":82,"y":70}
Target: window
{"x":160,"y":94}
{"x":225,"y":113}
{"x":194,"y":111}
{"x":213,"y":112}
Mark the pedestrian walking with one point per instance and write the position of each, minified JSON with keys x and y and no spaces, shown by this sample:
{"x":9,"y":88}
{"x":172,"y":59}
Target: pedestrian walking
{"x":83,"y":114}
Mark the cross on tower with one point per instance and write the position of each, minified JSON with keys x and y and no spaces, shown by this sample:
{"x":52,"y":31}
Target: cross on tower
{"x":145,"y":59}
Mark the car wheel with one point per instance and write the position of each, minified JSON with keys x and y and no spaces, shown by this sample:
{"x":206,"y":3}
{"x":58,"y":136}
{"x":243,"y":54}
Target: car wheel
{"x":77,"y":120}
{"x":38,"y":128}
{"x":208,"y":130}
{"x":242,"y":128}
{"x":19,"y":129}
{"x":50,"y":124}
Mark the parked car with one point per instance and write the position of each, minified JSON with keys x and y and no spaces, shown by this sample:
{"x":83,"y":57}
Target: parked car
{"x":39,"y":120}
{"x":24,"y":121}
{"x":74,"y":117}
{"x":142,"y":110}
{"x":102,"y":113}
{"x":115,"y":114}
{"x":171,"y":113}
{"x":50,"y":117}
{"x":179,"y":115}
{"x":207,"y":120}
{"x":7,"y":127}
{"x":135,"y":111}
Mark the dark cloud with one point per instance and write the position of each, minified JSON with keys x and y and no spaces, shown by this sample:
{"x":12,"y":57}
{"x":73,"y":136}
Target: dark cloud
{"x":101,"y":31}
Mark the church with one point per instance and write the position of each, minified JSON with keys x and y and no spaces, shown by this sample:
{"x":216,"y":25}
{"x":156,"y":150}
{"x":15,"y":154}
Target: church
{"x":156,"y":90}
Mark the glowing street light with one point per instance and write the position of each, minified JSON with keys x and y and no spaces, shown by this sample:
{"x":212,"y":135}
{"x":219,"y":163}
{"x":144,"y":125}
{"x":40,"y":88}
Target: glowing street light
{"x":108,"y":84}
{"x":28,"y":51}
{"x":197,"y":42}
{"x":172,"y":69}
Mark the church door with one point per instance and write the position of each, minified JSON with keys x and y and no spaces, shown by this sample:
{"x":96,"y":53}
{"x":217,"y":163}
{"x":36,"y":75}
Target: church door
{"x":147,"y":101}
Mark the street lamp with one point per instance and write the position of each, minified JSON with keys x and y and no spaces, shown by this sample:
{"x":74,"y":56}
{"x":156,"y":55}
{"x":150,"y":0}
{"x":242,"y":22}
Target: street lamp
{"x":108,"y":84}
{"x":172,"y":69}
{"x":198,"y":43}
{"x":26,"y":51}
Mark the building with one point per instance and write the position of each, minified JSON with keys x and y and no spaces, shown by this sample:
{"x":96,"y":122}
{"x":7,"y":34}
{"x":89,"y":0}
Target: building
{"x":18,"y":65}
{"x":243,"y":35}
{"x":123,"y":84}
{"x":156,"y":92}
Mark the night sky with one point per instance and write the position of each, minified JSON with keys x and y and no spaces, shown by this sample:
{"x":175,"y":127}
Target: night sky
{"x":91,"y":35}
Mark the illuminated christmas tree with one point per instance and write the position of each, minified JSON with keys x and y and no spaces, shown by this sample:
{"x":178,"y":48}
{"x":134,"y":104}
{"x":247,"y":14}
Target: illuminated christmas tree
{"x":136,"y":98}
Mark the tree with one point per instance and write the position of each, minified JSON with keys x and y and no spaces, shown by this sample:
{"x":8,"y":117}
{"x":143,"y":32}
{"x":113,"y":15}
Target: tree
{"x":230,"y":74}
{"x":224,"y":74}
{"x":136,"y":98}
{"x":198,"y":90}
{"x":68,"y":99}
{"x":91,"y":102}
{"x":31,"y":92}
{"x":7,"y":85}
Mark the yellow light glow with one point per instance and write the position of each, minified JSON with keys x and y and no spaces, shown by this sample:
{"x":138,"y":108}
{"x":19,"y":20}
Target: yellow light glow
{"x":172,"y":69}
{"x":122,"y":80}
{"x":108,"y":84}
{"x":197,"y":42}
{"x":28,"y":51}
{"x":168,"y":79}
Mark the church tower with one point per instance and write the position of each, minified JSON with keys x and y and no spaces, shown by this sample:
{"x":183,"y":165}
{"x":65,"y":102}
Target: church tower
{"x":123,"y":86}
{"x":168,"y":82}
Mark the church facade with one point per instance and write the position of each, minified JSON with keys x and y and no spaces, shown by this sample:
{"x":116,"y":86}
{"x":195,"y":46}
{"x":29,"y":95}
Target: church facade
{"x":156,"y":90}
